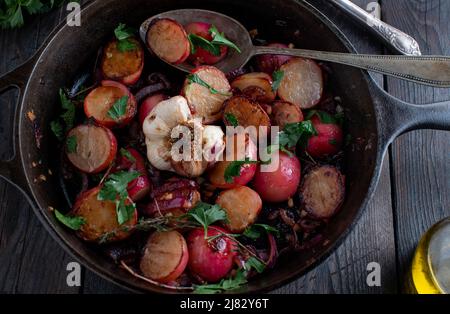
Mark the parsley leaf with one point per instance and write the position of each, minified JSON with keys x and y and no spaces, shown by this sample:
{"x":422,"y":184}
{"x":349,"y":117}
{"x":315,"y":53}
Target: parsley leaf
{"x":237,"y":281}
{"x":254,"y":231}
{"x":125,"y":153}
{"x":73,"y":222}
{"x":219,"y":39}
{"x":115,"y":189}
{"x":277,"y":77}
{"x":123,"y":33}
{"x":294,"y":133}
{"x":194,"y":78}
{"x":119,"y":108}
{"x":57,"y":129}
{"x":12,"y":11}
{"x":255,"y":263}
{"x":234,"y":169}
{"x":71,"y":144}
{"x":231,"y":118}
{"x":206,"y":214}
{"x":198,"y":41}
{"x":224,"y":285}
{"x":68,"y":116}
{"x":116,"y":184}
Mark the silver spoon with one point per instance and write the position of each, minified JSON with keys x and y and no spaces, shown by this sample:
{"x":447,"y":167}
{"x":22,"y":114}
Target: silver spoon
{"x":427,"y":70}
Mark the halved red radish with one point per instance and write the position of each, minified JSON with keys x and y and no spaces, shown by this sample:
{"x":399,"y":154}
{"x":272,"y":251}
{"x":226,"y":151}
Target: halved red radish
{"x":269,"y":63}
{"x":284,"y":112}
{"x":302,"y":83}
{"x":168,"y":40}
{"x":148,"y":104}
{"x":327,"y":141}
{"x":91,"y":148}
{"x":211,"y":260}
{"x":322,"y":191}
{"x":99,"y":103}
{"x":217,"y":173}
{"x":256,"y":85}
{"x":123,"y":66}
{"x":100,"y":218}
{"x":165,"y":256}
{"x":205,"y":102}
{"x":281,"y":184}
{"x":130,"y":159}
{"x":246,"y":111}
{"x":242,"y":206}
{"x":202,"y":56}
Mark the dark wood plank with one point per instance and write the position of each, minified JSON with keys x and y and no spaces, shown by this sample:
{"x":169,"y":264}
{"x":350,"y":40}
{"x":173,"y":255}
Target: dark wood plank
{"x":30,"y":260}
{"x":372,"y":240}
{"x":420,"y":159}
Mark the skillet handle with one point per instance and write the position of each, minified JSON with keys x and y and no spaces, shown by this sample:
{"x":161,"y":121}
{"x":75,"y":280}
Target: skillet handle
{"x":11,"y":169}
{"x":397,"y":117}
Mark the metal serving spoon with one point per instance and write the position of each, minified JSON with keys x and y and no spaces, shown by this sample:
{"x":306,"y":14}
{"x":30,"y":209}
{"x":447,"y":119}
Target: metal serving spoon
{"x":427,"y":70}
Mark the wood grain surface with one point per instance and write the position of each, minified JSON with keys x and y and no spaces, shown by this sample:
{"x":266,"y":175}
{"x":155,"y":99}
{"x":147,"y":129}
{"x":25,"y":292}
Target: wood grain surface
{"x":411,"y":195}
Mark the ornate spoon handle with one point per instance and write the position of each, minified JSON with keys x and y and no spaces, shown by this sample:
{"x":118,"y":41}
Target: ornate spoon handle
{"x":395,"y":38}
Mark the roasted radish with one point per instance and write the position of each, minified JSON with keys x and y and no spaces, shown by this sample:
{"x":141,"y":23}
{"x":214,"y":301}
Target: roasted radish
{"x":168,"y":40}
{"x":284,"y":113}
{"x":270,"y":63}
{"x":281,"y":184}
{"x":175,"y":197}
{"x":322,"y":191}
{"x":148,"y":104}
{"x":165,"y":256}
{"x":246,"y":112}
{"x":211,"y":260}
{"x":123,"y":66}
{"x":217,"y":173}
{"x":302,"y":83}
{"x":110,"y":105}
{"x":256,"y":85}
{"x":131,"y":160}
{"x":201,"y":55}
{"x":328,"y":140}
{"x":100,"y":218}
{"x":206,"y":89}
{"x":242,"y":206}
{"x":90,"y":148}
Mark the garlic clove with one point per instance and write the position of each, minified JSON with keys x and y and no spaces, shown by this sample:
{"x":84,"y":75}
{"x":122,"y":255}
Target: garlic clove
{"x":213,"y":143}
{"x":158,"y":153}
{"x":172,"y":111}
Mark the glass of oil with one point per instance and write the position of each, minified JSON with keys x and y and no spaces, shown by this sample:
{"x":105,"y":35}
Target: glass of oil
{"x":430,"y":268}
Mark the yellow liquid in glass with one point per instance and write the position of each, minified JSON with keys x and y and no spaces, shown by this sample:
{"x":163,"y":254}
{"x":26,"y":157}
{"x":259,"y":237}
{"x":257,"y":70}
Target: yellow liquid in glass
{"x":430,"y":268}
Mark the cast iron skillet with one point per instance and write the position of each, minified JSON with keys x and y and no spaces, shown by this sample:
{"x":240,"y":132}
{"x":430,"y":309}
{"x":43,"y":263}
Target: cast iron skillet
{"x":374,"y":117}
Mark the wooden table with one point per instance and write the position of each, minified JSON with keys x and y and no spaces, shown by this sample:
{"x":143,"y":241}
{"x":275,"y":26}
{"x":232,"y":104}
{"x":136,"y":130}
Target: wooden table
{"x":411,"y":196}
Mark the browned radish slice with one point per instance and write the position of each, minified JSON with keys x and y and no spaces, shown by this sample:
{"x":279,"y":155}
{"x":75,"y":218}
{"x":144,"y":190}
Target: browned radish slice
{"x":323,"y":191}
{"x":165,"y":256}
{"x":246,"y":111}
{"x":302,"y":83}
{"x":257,"y":85}
{"x":205,"y":102}
{"x":168,"y":40}
{"x":284,"y":112}
{"x":123,"y":66}
{"x":242,"y":206}
{"x":99,"y":103}
{"x":91,"y":148}
{"x":100,"y":218}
